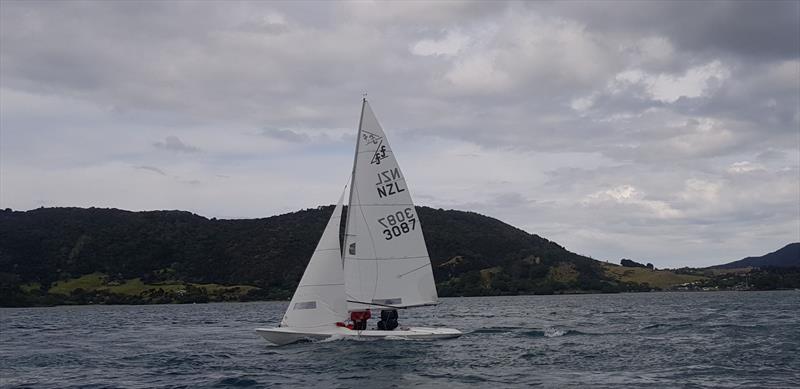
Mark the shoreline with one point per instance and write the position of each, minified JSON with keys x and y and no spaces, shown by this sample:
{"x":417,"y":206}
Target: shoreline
{"x":445,"y":297}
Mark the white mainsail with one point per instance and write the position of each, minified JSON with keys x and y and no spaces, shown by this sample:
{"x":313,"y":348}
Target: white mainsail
{"x":386,"y":262}
{"x":319,"y":301}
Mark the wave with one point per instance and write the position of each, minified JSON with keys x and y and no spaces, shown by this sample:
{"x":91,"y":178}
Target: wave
{"x":555,"y":332}
{"x":547,"y":332}
{"x":495,"y":330}
{"x":238,"y":382}
{"x":671,"y":327}
{"x":551,"y":332}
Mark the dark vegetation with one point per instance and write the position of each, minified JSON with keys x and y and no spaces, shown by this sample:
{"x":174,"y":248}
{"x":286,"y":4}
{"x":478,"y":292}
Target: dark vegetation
{"x":108,"y":256}
{"x":762,"y":278}
{"x":788,"y":256}
{"x":765,"y":278}
{"x":172,"y":256}
{"x":630,"y":263}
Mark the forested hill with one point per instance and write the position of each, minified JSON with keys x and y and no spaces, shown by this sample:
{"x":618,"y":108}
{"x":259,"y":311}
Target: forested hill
{"x":76,"y":255}
{"x":787,"y":256}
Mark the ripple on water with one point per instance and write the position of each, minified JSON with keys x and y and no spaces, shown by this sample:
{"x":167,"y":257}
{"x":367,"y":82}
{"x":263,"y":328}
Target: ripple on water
{"x":651,"y":339}
{"x":236,"y":382}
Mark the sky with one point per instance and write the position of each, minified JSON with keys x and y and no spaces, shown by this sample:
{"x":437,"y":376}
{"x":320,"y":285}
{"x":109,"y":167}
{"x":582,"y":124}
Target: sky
{"x":664,"y":132}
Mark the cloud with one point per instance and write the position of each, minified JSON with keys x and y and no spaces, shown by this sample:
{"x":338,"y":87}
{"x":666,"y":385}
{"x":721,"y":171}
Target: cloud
{"x":173,"y":143}
{"x":269,"y":23}
{"x":479,"y":74}
{"x":286,"y":135}
{"x":151,"y":169}
{"x":619,"y":129}
{"x":163,"y":173}
{"x":761,"y":31}
{"x":451,"y":44}
{"x":628,"y":196}
{"x":668,"y":88}
{"x":745,"y":167}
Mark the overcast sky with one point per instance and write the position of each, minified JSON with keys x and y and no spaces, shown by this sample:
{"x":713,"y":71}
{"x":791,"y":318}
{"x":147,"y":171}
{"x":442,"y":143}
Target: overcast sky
{"x":666,"y":132}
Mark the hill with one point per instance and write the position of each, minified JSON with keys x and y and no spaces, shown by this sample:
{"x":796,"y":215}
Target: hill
{"x":76,"y":255}
{"x":788,"y":256}
{"x":661,"y":279}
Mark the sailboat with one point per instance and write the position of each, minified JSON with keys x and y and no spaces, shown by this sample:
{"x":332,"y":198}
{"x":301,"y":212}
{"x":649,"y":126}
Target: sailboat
{"x":384,"y":265}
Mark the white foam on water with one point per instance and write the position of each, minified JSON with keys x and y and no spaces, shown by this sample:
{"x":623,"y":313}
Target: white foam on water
{"x":332,"y":338}
{"x":554,"y":332}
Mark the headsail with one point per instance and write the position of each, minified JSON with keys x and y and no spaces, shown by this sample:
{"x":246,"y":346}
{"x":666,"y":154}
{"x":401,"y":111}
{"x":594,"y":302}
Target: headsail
{"x":386,"y":262}
{"x":319,"y":299}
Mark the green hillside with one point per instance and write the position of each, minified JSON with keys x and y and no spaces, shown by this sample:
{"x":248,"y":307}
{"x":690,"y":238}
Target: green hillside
{"x":662,"y":279}
{"x":76,"y":255}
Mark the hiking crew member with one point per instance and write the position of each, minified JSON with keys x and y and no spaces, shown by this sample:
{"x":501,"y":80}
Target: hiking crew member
{"x":359,"y":319}
{"x":388,"y":320}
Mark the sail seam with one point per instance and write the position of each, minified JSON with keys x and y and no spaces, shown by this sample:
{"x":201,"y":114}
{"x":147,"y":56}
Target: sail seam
{"x":394,"y":306}
{"x":409,"y":272}
{"x":387,"y":258}
{"x":303,"y":286}
{"x":385,"y":205}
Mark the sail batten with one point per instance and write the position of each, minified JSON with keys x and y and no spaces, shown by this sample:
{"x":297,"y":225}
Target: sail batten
{"x":385,"y":257}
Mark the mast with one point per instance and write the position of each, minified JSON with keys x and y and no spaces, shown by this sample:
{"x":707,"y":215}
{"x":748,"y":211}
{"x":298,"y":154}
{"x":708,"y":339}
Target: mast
{"x":352,"y":181}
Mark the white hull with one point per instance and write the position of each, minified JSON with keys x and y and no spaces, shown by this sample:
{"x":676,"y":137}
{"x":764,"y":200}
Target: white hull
{"x":285,"y":335}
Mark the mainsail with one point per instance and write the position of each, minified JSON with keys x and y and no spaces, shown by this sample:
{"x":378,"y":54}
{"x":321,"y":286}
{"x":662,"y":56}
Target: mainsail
{"x":386,"y":262}
{"x":319,"y":299}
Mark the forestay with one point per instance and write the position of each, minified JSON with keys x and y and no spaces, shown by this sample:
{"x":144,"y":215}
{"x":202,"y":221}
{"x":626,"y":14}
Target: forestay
{"x":319,"y":299}
{"x":386,"y":262}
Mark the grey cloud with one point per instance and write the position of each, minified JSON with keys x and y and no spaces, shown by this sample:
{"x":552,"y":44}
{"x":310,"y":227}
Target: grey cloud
{"x":265,"y":26}
{"x":286,"y":135}
{"x":173,"y":143}
{"x":161,"y":172}
{"x":771,"y":155}
{"x":191,"y":182}
{"x":271,"y":78}
{"x":750,"y":28}
{"x":151,"y":169}
{"x":510,"y":200}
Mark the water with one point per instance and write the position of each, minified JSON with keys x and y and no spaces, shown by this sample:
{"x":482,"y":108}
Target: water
{"x":725,"y":339}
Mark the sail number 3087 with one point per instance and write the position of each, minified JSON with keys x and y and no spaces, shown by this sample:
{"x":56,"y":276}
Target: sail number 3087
{"x":398,"y":223}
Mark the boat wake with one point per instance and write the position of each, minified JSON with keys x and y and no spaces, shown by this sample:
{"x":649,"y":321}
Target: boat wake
{"x":552,"y":332}
{"x":332,"y":338}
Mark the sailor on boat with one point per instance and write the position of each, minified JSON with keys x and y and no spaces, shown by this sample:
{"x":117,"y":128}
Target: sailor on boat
{"x":388,"y":320}
{"x":359,"y":319}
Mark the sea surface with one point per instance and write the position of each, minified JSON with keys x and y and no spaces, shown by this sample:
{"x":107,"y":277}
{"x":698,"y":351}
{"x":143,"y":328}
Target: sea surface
{"x":709,"y":339}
